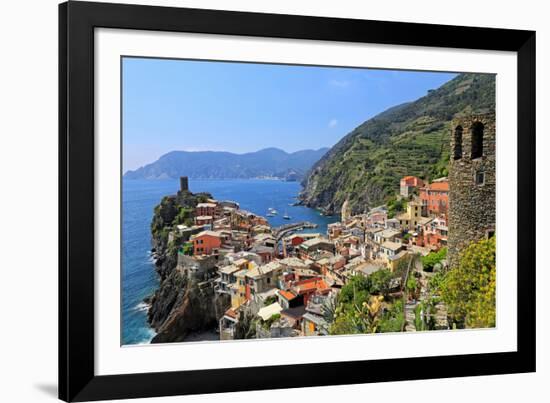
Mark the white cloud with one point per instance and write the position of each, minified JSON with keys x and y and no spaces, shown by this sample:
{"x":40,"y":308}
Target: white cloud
{"x":332,"y":123}
{"x":339,"y":83}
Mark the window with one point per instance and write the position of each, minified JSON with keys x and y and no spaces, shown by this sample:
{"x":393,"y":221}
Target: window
{"x":457,"y":154}
{"x":477,"y":140}
{"x":480,"y":178}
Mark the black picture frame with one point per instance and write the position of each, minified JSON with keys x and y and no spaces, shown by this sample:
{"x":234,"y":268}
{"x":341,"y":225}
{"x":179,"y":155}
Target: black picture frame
{"x":77,"y":21}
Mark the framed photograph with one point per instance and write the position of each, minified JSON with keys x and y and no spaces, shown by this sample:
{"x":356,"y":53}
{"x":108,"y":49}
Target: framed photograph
{"x":257,"y":201}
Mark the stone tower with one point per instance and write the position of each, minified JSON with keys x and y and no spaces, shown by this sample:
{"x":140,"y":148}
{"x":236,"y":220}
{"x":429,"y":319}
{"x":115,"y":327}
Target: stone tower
{"x":472,"y":209}
{"x":184,"y":184}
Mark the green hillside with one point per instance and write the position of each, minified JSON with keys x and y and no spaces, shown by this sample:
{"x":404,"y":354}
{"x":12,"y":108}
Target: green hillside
{"x":409,"y":139}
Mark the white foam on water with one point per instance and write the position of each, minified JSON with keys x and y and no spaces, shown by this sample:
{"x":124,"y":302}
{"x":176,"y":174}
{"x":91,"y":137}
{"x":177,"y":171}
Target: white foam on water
{"x":142,"y":306}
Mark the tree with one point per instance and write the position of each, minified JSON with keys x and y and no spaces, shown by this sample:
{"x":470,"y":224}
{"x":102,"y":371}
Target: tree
{"x":380,"y":282}
{"x":396,"y":205}
{"x":356,"y":290}
{"x":328,"y":310}
{"x":246,"y":326}
{"x":469,"y":289}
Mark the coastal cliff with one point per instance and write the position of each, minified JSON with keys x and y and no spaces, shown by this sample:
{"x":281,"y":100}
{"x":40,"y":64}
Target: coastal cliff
{"x":409,"y":139}
{"x":181,"y":305}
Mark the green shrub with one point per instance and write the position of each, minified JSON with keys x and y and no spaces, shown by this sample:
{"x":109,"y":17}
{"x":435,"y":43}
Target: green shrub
{"x":429,"y":261}
{"x":469,"y":289}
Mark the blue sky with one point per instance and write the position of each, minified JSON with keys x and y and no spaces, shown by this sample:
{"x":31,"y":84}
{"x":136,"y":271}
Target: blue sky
{"x":240,"y":107}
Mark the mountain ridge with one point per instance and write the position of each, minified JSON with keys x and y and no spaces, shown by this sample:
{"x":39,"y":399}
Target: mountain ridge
{"x":267,"y":162}
{"x":407,"y":139}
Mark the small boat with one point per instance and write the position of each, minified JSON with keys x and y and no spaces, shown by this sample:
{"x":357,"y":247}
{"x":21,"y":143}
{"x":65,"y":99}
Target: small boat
{"x":270,"y":215}
{"x":286,"y":216}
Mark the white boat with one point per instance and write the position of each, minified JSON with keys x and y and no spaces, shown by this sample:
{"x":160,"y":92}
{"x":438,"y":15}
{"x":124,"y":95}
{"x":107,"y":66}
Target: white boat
{"x":286,"y":216}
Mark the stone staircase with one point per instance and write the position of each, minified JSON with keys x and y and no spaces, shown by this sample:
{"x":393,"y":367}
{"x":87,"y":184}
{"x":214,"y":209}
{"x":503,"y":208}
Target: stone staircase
{"x":441,"y":321}
{"x":410,"y":317}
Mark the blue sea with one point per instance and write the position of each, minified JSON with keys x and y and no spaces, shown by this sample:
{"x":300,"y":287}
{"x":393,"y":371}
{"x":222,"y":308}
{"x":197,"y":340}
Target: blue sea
{"x":139,"y":198}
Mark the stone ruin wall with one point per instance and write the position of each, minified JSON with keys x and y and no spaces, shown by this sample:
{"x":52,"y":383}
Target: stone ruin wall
{"x":472,"y":208}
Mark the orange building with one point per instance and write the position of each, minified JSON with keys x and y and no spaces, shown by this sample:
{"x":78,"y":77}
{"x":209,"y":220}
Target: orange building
{"x":408,"y":184}
{"x":206,"y":242}
{"x":435,"y":197}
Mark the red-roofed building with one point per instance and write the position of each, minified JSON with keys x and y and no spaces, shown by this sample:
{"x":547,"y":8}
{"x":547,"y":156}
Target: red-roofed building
{"x":288,"y":299}
{"x":308,"y":288}
{"x":408,"y":184}
{"x":435,"y":197}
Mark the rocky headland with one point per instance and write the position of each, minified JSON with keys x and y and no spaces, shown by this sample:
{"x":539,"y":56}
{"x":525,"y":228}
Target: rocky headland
{"x":181,"y":305}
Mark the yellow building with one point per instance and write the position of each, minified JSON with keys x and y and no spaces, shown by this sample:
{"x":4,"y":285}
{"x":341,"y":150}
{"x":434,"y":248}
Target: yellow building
{"x":238,"y":290}
{"x":393,"y":262}
{"x":411,"y":218}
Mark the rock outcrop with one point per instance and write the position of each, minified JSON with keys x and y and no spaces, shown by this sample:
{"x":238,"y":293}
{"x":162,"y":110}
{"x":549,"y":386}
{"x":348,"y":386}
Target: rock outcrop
{"x":181,"y":305}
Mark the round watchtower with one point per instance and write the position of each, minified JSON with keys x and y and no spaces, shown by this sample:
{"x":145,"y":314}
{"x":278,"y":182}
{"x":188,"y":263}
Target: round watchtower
{"x":472,"y":209}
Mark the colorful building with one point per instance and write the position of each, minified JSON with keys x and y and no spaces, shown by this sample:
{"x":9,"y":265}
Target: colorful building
{"x":206,"y":242}
{"x":262,"y":278}
{"x":408,"y":184}
{"x":435,"y":197}
{"x":238,"y":289}
{"x":412,"y":217}
{"x":393,"y":262}
{"x":206,"y":209}
{"x":310,"y":287}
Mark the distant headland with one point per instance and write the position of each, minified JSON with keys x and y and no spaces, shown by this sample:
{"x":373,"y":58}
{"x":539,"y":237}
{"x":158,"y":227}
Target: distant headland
{"x":268,"y":163}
